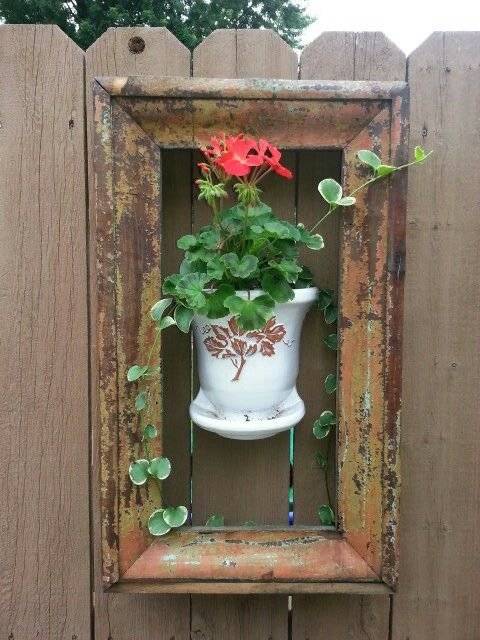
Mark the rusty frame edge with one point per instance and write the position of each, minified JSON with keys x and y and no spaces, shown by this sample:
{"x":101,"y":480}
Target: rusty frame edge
{"x":239,"y":588}
{"x":106,"y":418}
{"x":397,"y":94}
{"x":248,"y":89}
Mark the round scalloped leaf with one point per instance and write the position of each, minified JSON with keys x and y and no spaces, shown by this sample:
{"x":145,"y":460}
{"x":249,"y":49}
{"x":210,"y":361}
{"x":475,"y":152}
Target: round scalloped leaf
{"x":327,"y":418}
{"x":277,"y":286}
{"x":175,"y":516}
{"x":331,"y":341}
{"x":186,"y":242}
{"x":325,"y":298}
{"x":141,"y":400}
{"x":384,"y":170}
{"x":419,"y":154}
{"x":138,"y":471}
{"x":326,"y":515}
{"x":156,"y":524}
{"x":136,"y":372}
{"x":330,"y":383}
{"x":150,"y":432}
{"x":347,"y":201}
{"x":160,"y":468}
{"x":330,"y":190}
{"x":330,"y":313}
{"x":368,"y":157}
{"x":320,"y":431}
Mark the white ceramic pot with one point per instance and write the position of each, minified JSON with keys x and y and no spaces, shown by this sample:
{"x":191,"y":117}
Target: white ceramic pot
{"x":248,"y":378}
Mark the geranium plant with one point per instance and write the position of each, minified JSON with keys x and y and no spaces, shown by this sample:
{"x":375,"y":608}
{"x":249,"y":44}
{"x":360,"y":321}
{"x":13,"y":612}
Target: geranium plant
{"x":245,"y":247}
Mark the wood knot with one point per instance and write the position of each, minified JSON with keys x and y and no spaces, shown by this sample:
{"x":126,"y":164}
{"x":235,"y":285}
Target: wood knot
{"x":136,"y":44}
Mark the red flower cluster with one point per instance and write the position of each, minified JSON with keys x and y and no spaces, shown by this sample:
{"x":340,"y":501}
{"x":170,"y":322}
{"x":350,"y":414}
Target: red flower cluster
{"x":243,"y":157}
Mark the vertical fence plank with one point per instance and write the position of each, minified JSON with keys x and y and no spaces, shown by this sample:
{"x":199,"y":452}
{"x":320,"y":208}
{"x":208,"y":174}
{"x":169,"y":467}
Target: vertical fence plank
{"x":45,"y":539}
{"x":146,"y":51}
{"x":341,"y":56}
{"x":249,"y":480}
{"x":440,"y":504}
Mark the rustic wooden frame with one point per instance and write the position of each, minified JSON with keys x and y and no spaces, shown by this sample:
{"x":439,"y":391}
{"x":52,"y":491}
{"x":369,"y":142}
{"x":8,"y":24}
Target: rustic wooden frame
{"x":133,"y":119}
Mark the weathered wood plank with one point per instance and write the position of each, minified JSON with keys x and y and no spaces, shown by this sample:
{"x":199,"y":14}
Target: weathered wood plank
{"x":243,"y":480}
{"x":345,"y":56}
{"x":440,"y":502}
{"x":169,"y":616}
{"x":44,"y":541}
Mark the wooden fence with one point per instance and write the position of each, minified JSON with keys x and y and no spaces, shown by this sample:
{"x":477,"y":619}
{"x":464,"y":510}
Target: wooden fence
{"x":50,"y":586}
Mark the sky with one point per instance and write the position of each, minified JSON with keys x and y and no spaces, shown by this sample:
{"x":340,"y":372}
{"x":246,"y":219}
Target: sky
{"x":406,"y":22}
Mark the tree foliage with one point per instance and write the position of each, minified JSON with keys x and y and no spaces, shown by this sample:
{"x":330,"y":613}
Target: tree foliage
{"x":189,"y":20}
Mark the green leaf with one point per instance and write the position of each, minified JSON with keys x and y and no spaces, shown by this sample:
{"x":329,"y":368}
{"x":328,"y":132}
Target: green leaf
{"x":159,"y":308}
{"x":149,"y":432}
{"x":243,"y":268}
{"x":141,"y":401}
{"x":190,"y":287}
{"x":311,"y":240}
{"x":330,"y":383}
{"x":347,"y":201}
{"x":283,"y":230}
{"x":136,"y":372}
{"x":156,"y":524}
{"x":326,"y":515}
{"x":250,"y":523}
{"x":320,"y":431}
{"x":331,"y":341}
{"x":186,"y":242}
{"x":305,"y":278}
{"x":165,"y":322}
{"x":277,"y":286}
{"x":330,"y":313}
{"x":322,"y":460}
{"x":215,"y":520}
{"x":209,"y":238}
{"x":183,"y":317}
{"x":175,"y":516}
{"x":252,"y":314}
{"x":385,"y":170}
{"x":170,"y":284}
{"x":138,"y":471}
{"x":160,"y":468}
{"x":215,"y":268}
{"x":215,"y":307}
{"x":330,"y":190}
{"x":290,"y":269}
{"x":327,"y":418}
{"x":323,"y":424}
{"x":325,"y":298}
{"x":419,"y":154}
{"x":368,"y":157}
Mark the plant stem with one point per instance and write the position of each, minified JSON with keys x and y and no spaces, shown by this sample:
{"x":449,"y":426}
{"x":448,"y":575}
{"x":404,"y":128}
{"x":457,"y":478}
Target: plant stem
{"x":329,"y":448}
{"x":365,"y":184}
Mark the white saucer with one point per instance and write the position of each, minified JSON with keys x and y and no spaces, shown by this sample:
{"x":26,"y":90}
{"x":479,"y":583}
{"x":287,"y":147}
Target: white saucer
{"x":203,"y":414}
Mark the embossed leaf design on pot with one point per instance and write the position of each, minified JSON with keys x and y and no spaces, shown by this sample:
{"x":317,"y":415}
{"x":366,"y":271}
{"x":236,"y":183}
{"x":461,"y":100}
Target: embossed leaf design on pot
{"x":233,"y":343}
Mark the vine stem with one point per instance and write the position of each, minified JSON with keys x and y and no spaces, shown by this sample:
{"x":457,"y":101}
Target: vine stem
{"x":327,"y":487}
{"x":333,"y":207}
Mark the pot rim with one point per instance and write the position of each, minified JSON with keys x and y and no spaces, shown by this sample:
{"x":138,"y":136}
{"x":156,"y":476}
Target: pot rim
{"x":307,"y":294}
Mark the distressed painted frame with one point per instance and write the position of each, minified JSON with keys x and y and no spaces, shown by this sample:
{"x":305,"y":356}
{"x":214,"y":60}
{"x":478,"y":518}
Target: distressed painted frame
{"x":134,"y":118}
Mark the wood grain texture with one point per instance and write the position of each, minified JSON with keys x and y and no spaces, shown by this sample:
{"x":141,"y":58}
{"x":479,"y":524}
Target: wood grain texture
{"x":347,"y":56}
{"x":243,"y":480}
{"x":45,"y":566}
{"x":440,"y":506}
{"x":145,"y":615}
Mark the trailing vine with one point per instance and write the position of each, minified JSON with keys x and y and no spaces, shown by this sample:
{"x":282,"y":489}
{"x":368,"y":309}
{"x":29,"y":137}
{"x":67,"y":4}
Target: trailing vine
{"x":324,"y":425}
